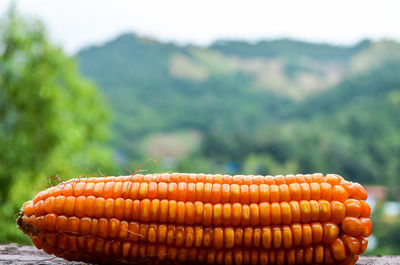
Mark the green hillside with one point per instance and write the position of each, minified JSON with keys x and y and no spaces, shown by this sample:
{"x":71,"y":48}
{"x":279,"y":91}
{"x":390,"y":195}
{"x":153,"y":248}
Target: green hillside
{"x":352,"y":129}
{"x":270,"y":107}
{"x":289,"y":49}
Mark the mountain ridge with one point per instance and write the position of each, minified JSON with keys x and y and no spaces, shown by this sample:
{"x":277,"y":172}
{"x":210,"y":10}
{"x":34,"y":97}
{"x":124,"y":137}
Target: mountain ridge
{"x":257,"y":104}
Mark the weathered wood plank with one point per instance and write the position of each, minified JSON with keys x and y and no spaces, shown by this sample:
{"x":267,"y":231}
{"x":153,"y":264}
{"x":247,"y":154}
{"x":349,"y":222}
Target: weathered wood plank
{"x":15,"y":254}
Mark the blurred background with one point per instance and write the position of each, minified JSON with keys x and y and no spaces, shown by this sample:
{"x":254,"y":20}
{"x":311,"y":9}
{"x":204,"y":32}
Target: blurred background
{"x":101,"y":87}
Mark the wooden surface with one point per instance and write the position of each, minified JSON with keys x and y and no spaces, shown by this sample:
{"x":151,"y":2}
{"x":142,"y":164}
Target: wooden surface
{"x":15,"y":254}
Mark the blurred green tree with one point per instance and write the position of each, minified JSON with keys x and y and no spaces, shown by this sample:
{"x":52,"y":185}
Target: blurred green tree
{"x":52,"y":121}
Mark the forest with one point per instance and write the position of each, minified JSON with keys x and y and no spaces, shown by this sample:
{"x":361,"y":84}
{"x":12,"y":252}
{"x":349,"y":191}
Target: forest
{"x":233,"y":107}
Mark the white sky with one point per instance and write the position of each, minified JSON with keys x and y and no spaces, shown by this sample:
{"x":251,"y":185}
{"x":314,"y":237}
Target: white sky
{"x":78,"y":23}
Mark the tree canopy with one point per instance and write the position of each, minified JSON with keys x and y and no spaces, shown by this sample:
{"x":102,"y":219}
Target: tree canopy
{"x":52,"y":120}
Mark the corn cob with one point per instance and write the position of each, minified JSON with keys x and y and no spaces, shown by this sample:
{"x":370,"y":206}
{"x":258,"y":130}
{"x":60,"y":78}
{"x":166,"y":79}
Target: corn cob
{"x":217,"y":219}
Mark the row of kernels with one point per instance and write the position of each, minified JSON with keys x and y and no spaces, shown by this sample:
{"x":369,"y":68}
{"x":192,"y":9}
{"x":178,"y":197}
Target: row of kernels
{"x":217,"y":237}
{"x":195,"y":213}
{"x":205,"y":192}
{"x":121,"y":185}
{"x":130,"y":252}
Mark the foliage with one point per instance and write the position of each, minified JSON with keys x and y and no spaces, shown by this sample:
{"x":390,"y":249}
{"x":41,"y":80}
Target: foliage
{"x":52,"y":121}
{"x":387,"y":232}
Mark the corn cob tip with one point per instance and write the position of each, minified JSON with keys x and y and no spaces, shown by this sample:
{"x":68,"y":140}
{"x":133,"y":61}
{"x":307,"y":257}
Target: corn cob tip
{"x":25,"y":227}
{"x":19,"y":221}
